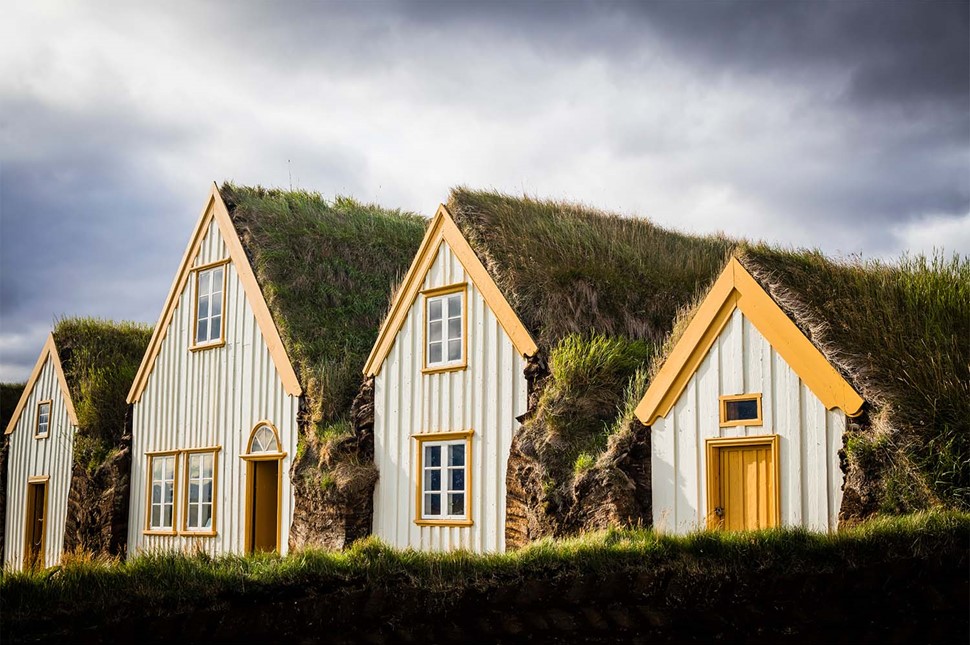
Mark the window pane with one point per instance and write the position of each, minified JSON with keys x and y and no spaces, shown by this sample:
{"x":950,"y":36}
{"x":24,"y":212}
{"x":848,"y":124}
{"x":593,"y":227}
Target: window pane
{"x":434,"y":331}
{"x":741,"y":409}
{"x":432,"y":456}
{"x":454,"y":328}
{"x":156,"y":515}
{"x":454,"y":350}
{"x":215,"y":331}
{"x":432,"y":505}
{"x":200,"y":335}
{"x":216,"y":305}
{"x":434,"y":353}
{"x":432,"y":480}
{"x":456,"y":479}
{"x":207,"y":492}
{"x":193,"y":493}
{"x":456,"y":504}
{"x":207,"y":516}
{"x":204,"y":282}
{"x":207,"y":466}
{"x":167,"y":517}
{"x":156,"y":493}
{"x":217,"y":279}
{"x":194,"y":467}
{"x":157,"y":469}
{"x":456,"y":454}
{"x":169,"y":493}
{"x":204,"y":307}
{"x":434,"y":309}
{"x":454,"y":305}
{"x":169,"y":468}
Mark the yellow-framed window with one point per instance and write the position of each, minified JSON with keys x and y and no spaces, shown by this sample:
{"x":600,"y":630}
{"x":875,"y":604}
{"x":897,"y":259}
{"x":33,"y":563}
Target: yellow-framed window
{"x":444,"y":476}
{"x":741,"y":410}
{"x":208,"y":328}
{"x":162,"y":479}
{"x":445,"y":328}
{"x":201,"y":490}
{"x":42,"y":426}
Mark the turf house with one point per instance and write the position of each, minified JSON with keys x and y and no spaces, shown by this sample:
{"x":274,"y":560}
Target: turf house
{"x":503,"y":375}
{"x":243,"y":433}
{"x":66,"y":458}
{"x":806,"y":392}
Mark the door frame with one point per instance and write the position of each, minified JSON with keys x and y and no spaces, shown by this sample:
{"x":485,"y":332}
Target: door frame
{"x":713,"y":448}
{"x":250,"y":470}
{"x":30,"y":511}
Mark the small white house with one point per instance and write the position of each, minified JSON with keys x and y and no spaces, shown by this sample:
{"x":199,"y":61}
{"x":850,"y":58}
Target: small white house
{"x":221,"y":414}
{"x":214,"y":408}
{"x":41,"y":435}
{"x":449,"y":382}
{"x":746,"y":419}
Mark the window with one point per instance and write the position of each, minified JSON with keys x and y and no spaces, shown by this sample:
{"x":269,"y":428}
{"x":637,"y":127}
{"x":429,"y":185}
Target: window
{"x":161,"y":509}
{"x":209,"y":290}
{"x":443,"y":479}
{"x":264,"y":440}
{"x":741,"y":410}
{"x":445,"y":328}
{"x":42,"y":429}
{"x":200,"y":475}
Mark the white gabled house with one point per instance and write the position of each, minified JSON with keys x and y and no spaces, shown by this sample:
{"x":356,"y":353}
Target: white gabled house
{"x":746,"y":418}
{"x":449,"y":382}
{"x":41,"y":435}
{"x":214,"y":408}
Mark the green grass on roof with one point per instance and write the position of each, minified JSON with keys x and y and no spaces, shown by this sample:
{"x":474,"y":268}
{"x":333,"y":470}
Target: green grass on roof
{"x":567,"y":268}
{"x":327,"y":269}
{"x":100,"y":359}
{"x":900,"y":333}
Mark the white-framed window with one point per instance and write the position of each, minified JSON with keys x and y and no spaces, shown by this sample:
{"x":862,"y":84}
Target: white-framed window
{"x":43,"y":426}
{"x":445,"y":328}
{"x":161,"y":492}
{"x":444,"y":480}
{"x":200,"y":491}
{"x":264,"y":439}
{"x":209,"y":301}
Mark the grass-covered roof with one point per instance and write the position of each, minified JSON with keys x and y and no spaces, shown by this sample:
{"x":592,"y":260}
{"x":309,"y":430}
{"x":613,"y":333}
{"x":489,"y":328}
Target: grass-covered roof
{"x":326,"y":269}
{"x":100,"y":359}
{"x":567,"y":268}
{"x":900,"y":333}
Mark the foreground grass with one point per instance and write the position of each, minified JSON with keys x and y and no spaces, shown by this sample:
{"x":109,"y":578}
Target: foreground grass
{"x":158,"y":584}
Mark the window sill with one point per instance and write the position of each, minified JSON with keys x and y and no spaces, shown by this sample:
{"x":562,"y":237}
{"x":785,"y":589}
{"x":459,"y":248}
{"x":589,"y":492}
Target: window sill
{"x":41,"y":436}
{"x":159,"y":532}
{"x":742,"y":422}
{"x":203,"y":534}
{"x":445,"y":368}
{"x":443,"y":522}
{"x":200,"y":348}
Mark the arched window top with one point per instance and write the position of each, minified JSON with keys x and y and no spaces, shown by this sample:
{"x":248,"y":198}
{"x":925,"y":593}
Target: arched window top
{"x":264,"y":439}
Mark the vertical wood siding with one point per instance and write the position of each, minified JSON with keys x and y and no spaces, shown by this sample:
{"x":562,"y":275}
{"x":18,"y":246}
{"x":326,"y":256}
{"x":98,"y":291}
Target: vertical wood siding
{"x":742,"y":361}
{"x":485,"y":397}
{"x":30,"y":457}
{"x":211,"y":397}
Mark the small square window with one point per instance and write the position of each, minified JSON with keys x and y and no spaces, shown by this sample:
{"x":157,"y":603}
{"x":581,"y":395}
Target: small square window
{"x":443,"y":480}
{"x":742,"y":409}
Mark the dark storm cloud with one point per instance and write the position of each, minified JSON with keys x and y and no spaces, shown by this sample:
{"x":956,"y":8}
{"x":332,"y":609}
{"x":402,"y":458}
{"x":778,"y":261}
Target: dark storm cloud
{"x":832,"y":123}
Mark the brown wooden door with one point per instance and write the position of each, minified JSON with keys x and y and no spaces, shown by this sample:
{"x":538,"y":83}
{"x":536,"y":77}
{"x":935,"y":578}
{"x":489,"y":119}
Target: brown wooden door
{"x":36,"y":525}
{"x":264,"y":514}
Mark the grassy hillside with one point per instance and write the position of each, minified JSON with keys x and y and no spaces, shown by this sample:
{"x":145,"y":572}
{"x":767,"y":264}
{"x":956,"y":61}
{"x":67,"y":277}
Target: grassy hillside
{"x":371,"y":588}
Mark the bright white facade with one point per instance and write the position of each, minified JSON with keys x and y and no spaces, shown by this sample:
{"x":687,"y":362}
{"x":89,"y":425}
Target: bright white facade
{"x":39,"y":461}
{"x":199,"y":401}
{"x":484,"y":397}
{"x":742,"y":361}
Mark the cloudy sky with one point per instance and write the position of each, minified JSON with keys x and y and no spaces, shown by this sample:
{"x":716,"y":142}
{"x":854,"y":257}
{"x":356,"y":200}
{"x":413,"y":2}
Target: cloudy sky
{"x":844,"y":125}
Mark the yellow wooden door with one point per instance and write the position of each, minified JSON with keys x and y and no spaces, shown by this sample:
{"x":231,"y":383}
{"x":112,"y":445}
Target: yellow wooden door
{"x":265,"y":511}
{"x":36,"y":525}
{"x":745,"y":495}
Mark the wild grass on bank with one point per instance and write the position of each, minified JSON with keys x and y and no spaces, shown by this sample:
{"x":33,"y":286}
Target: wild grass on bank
{"x":159,"y":583}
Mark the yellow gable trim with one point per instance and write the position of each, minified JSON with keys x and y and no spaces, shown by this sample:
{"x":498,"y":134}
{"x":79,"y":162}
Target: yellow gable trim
{"x":49,"y":350}
{"x":736,"y":288}
{"x":215,"y":209}
{"x":444,"y":229}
